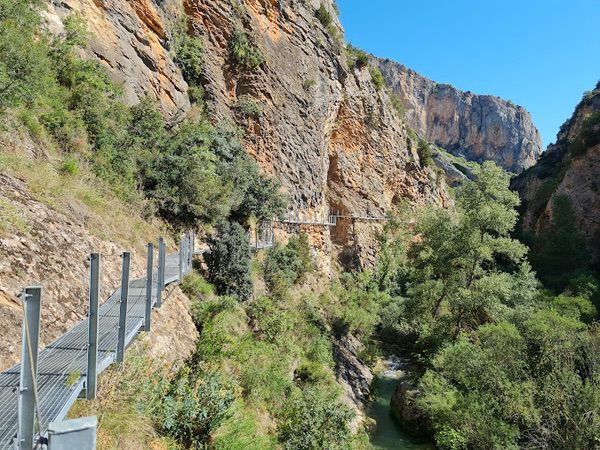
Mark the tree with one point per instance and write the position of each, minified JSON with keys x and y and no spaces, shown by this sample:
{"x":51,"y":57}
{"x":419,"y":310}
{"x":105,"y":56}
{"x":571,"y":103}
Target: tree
{"x":560,"y":253}
{"x":25,"y":68}
{"x":313,"y":421}
{"x":463,"y":268}
{"x":228,"y":260}
{"x":478,"y":394}
{"x":183,"y":180}
{"x":252,"y":194}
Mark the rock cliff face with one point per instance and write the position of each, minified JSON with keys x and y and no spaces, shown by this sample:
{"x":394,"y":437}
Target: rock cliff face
{"x":570,"y":167}
{"x":327,"y":133}
{"x":478,"y":127}
{"x":131,"y":40}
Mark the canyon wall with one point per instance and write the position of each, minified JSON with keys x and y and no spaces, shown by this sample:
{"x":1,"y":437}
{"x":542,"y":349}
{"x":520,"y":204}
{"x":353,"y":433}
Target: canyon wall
{"x":478,"y":127}
{"x":328,"y":132}
{"x":570,"y":167}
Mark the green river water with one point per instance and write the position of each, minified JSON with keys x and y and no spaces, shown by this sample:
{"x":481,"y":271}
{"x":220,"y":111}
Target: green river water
{"x":388,"y":434}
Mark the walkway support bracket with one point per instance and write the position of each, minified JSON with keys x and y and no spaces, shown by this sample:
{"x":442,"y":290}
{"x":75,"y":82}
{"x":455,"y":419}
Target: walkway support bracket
{"x":181,"y":257}
{"x":149,"y":267}
{"x":161,"y":271}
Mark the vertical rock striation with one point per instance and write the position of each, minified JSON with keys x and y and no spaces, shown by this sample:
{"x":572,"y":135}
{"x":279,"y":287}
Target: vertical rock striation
{"x":131,"y":40}
{"x":478,"y":127}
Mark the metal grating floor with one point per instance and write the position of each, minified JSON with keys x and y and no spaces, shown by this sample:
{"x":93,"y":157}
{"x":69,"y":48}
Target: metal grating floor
{"x":67,"y":356}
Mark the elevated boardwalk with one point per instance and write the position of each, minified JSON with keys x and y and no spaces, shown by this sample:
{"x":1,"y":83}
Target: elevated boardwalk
{"x":62,"y":365}
{"x":330,"y":220}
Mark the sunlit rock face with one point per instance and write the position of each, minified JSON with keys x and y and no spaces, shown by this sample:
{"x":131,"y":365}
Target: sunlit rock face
{"x":563,"y":171}
{"x":478,"y":127}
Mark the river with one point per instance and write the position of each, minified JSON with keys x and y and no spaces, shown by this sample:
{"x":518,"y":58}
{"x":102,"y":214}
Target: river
{"x":388,"y":434}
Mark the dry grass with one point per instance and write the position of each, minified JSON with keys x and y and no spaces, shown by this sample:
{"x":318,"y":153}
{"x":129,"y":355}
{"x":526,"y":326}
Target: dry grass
{"x":122,"y":422}
{"x":82,"y":195}
{"x":12,"y":219}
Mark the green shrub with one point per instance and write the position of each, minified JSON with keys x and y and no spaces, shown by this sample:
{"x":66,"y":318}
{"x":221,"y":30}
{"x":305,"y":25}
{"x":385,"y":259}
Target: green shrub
{"x":270,"y":318}
{"x":356,"y":57}
{"x":308,"y":84}
{"x":425,"y":153}
{"x":358,"y":307}
{"x":205,"y":309}
{"x":377,"y":78}
{"x":314,"y":420}
{"x":190,"y":406}
{"x":243,"y":53}
{"x":578,"y":308}
{"x":196,"y":287}
{"x":398,"y":105}
{"x":31,"y":122}
{"x":287,"y":265}
{"x":70,"y":165}
{"x":25,"y":66}
{"x":249,"y":107}
{"x":323,"y":15}
{"x":189,"y":57}
{"x":588,"y":137}
{"x":228,"y":260}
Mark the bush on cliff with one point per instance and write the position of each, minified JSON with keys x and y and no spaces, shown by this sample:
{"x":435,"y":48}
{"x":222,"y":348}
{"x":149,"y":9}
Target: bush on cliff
{"x":243,"y":53}
{"x":189,"y":58}
{"x":323,"y":15}
{"x":287,"y":265}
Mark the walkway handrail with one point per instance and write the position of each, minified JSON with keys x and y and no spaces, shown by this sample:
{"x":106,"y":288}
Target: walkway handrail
{"x":54,"y":378}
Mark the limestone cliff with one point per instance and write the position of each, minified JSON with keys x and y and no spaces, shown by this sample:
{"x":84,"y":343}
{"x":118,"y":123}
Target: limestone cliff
{"x":131,"y":40}
{"x":326,"y":131}
{"x":570,"y":167}
{"x":478,"y":127}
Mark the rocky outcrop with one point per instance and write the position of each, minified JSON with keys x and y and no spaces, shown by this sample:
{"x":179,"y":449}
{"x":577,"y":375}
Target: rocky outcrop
{"x":353,"y":375}
{"x":325,"y":131}
{"x":330,"y":136}
{"x":569,"y":167}
{"x":403,"y":401}
{"x":404,"y":408}
{"x":478,"y":127}
{"x":48,"y":227}
{"x":131,"y":40}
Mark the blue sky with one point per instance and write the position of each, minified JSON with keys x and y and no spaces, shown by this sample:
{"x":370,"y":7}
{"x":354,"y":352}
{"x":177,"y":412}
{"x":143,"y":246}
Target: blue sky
{"x":541,"y":54}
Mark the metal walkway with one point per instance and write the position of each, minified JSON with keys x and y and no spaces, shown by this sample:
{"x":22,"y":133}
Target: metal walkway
{"x":62,"y":365}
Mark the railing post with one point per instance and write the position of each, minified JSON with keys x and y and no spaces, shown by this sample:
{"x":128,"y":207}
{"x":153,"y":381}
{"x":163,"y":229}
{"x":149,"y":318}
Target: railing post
{"x":32,"y":301}
{"x":149,"y":280}
{"x":181,"y":250}
{"x":160,"y":285}
{"x":123,"y":307}
{"x":92,"y":350}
